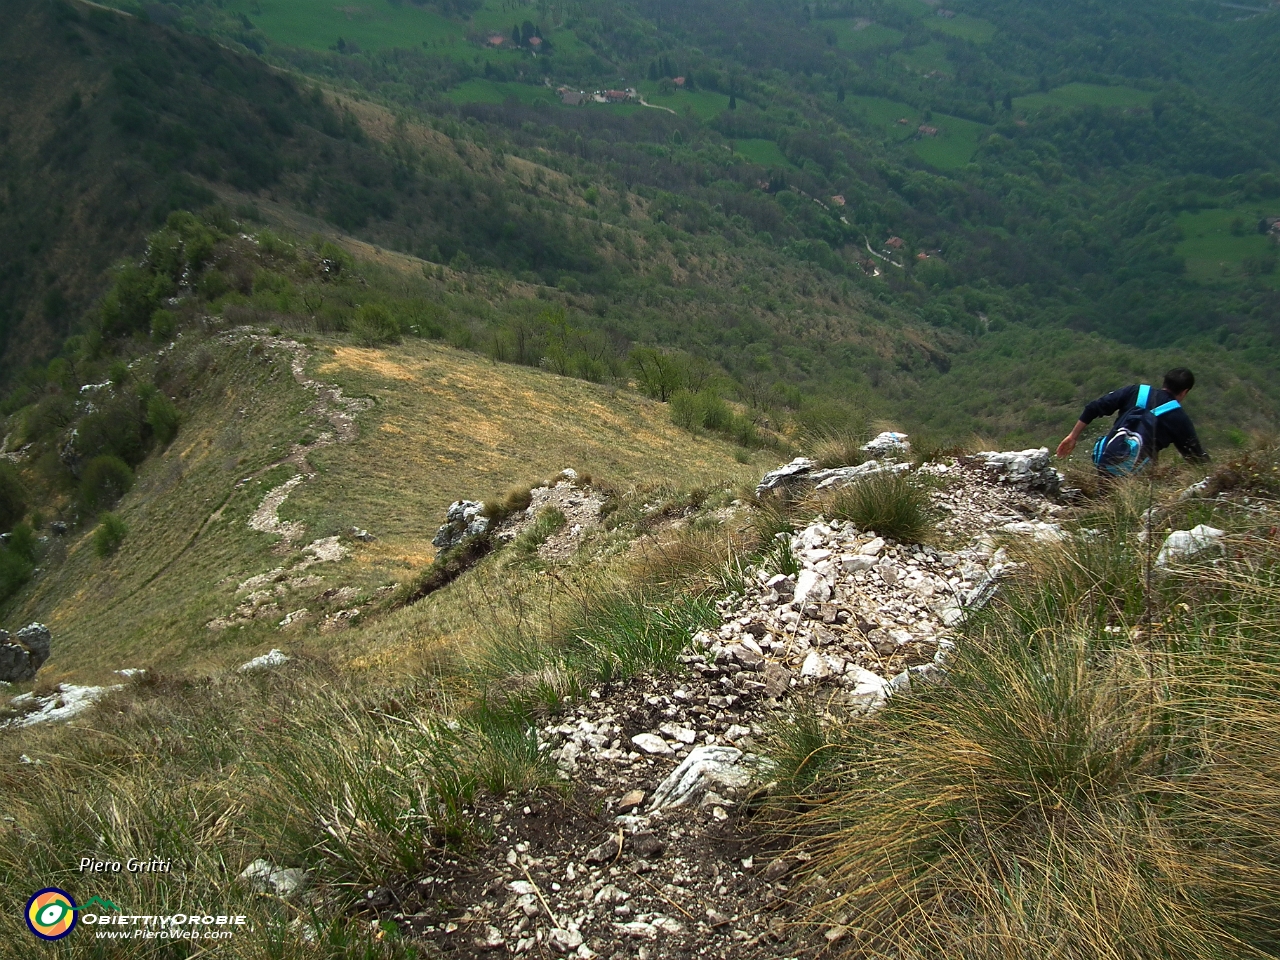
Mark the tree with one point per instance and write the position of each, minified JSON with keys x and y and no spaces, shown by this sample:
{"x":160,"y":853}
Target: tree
{"x":515,"y":35}
{"x":1008,"y":101}
{"x":658,"y":374}
{"x":653,"y":72}
{"x":733,"y":102}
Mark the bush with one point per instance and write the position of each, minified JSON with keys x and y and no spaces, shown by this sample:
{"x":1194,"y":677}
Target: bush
{"x":22,"y":542}
{"x":374,"y":325}
{"x":13,"y":496}
{"x":888,"y":503}
{"x":163,"y":418}
{"x":15,"y":570}
{"x":163,"y":325}
{"x":105,"y":480}
{"x":109,"y":535}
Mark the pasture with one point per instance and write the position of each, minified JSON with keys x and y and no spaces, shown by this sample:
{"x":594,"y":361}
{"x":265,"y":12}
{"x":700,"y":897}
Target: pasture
{"x":955,"y":144}
{"x":764,"y":152}
{"x":862,"y":34}
{"x":1225,"y":245}
{"x":964,"y":27}
{"x":704,"y":104}
{"x":883,"y":116}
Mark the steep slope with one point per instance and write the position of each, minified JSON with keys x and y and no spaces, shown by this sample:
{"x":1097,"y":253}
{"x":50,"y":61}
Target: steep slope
{"x":290,"y":450}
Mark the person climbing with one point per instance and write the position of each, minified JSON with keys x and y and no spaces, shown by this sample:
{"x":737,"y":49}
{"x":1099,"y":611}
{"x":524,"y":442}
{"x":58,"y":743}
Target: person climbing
{"x":1149,"y":420}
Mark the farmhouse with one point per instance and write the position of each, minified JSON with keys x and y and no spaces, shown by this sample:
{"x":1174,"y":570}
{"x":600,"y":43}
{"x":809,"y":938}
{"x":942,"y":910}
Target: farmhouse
{"x":895,"y":243}
{"x":495,"y":40}
{"x":928,"y":131}
{"x":678,"y":81}
{"x":572,"y":98}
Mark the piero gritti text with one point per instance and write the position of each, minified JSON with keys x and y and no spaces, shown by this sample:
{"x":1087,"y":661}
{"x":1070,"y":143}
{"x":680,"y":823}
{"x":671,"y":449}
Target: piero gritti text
{"x":132,"y":865}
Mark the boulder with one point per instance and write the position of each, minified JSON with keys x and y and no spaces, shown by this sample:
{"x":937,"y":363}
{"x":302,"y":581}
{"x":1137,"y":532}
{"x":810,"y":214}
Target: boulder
{"x":844,"y":476}
{"x":464,"y":518}
{"x":1030,"y":469}
{"x":889,"y":443}
{"x":23,"y":654}
{"x":785,"y":475}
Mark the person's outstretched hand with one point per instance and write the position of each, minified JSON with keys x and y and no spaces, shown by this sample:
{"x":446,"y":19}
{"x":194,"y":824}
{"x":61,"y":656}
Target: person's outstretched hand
{"x":1066,"y":446}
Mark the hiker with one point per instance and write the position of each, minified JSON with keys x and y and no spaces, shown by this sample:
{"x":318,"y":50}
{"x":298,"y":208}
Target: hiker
{"x":1149,"y":420}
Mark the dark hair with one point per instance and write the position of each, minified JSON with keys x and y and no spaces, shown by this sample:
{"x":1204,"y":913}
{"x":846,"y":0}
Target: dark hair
{"x":1179,"y":379}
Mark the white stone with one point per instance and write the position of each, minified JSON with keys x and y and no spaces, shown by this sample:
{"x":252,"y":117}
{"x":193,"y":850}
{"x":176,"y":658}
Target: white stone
{"x":273,"y":658}
{"x":678,"y":733}
{"x":872,"y":548}
{"x":651,"y":743}
{"x":811,"y":587}
{"x":1186,"y":544}
{"x":815,"y":666}
{"x":704,"y":768}
{"x":856,"y":564}
{"x":264,"y":877}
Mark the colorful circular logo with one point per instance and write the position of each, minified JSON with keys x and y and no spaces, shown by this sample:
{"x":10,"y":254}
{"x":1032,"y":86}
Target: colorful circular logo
{"x":51,"y":914}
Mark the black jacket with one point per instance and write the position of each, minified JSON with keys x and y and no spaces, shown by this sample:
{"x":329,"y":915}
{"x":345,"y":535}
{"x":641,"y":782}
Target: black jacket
{"x":1174,"y":427}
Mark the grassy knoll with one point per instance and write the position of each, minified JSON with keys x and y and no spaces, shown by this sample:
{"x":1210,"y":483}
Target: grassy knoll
{"x":1085,"y":95}
{"x":965,"y":27}
{"x":374,"y":25}
{"x":955,"y":144}
{"x":883,"y":114}
{"x":928,"y":58}
{"x":764,"y":152}
{"x":447,"y":425}
{"x":863,"y":34}
{"x":705,"y":104}
{"x":1224,"y":245}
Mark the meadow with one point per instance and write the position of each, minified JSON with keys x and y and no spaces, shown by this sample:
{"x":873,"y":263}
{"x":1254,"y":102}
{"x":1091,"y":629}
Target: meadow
{"x":928,"y":58}
{"x":373,"y":25}
{"x":964,"y":27}
{"x":764,"y":152}
{"x":883,"y":114}
{"x":481,"y":90}
{"x":955,"y":145}
{"x":1085,"y":95}
{"x":861,"y":35}
{"x":1218,"y":245}
{"x":704,"y":104}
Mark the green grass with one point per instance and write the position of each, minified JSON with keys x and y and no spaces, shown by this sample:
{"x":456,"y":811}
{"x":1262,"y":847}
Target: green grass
{"x":859,"y":35}
{"x":965,"y":27}
{"x":491,"y":91}
{"x":1085,"y":95}
{"x":764,"y":152}
{"x":929,"y":58}
{"x":705,"y":104}
{"x":884,"y":114}
{"x":955,"y":144}
{"x":1213,"y":253}
{"x":373,"y":24}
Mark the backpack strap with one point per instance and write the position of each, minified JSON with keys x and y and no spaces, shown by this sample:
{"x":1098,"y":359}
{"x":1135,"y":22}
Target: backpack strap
{"x":1144,"y":393}
{"x":1165,"y":408}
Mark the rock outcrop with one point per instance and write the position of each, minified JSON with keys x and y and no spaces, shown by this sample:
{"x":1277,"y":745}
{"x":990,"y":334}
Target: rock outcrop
{"x":24,"y":653}
{"x":465,"y":518}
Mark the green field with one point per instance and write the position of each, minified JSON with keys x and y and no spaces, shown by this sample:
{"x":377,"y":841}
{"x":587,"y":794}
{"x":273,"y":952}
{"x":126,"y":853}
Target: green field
{"x":955,"y":144}
{"x":1215,"y":251}
{"x":705,"y":104}
{"x":1085,"y":95}
{"x":965,"y":27}
{"x":373,"y":24}
{"x":862,"y":35}
{"x":916,"y":8}
{"x":926,"y":59}
{"x":381,"y":25}
{"x":885,"y":114}
{"x":491,"y":91}
{"x":764,"y":152}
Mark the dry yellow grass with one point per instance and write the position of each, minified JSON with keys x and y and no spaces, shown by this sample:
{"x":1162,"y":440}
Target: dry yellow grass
{"x":446,"y":425}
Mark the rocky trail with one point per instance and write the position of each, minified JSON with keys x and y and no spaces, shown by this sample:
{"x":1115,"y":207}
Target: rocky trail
{"x":651,"y":850}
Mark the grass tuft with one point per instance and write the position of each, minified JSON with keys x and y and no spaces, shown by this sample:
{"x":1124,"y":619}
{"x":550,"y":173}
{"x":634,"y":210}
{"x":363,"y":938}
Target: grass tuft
{"x":889,"y":503}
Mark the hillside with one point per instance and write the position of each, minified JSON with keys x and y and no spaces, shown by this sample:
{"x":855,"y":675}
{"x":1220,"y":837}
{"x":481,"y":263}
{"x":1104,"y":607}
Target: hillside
{"x":384,"y":440}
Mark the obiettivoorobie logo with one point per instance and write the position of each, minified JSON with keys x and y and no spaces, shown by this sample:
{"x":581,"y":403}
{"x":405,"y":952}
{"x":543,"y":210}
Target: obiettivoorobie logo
{"x":52,"y":912}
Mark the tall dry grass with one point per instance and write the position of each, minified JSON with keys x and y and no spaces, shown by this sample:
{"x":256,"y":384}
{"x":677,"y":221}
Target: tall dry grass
{"x":1099,"y":777}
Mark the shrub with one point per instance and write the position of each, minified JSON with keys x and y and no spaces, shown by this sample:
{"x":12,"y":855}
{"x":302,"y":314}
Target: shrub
{"x":105,"y":480}
{"x":13,"y":496}
{"x":22,"y":541}
{"x":839,"y":448}
{"x":15,"y":570}
{"x":163,"y":418}
{"x":888,"y":503}
{"x":109,"y":535}
{"x":163,"y":325}
{"x":374,"y":325}
{"x":115,"y":430}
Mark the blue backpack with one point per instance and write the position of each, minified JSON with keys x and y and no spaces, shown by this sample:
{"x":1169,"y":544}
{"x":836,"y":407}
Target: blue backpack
{"x":1132,"y":441}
